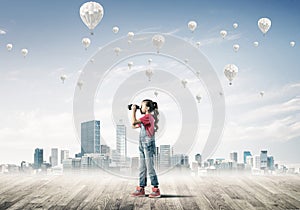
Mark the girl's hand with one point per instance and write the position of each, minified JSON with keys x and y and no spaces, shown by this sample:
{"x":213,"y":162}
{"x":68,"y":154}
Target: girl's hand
{"x":133,"y":108}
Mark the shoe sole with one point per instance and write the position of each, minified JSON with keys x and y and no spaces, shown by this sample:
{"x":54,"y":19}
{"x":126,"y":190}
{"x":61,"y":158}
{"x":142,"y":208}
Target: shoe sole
{"x":155,"y":196}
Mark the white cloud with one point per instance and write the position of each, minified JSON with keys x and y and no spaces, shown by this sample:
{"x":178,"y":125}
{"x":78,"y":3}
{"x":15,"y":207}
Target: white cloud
{"x":32,"y":129}
{"x":2,"y":32}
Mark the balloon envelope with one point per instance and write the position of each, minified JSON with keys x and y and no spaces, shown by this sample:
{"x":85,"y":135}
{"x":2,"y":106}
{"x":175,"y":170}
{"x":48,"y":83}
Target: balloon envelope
{"x":86,"y":42}
{"x":230,"y":71}
{"x":236,"y":47}
{"x":91,"y":13}
{"x":192,"y":25}
{"x":264,"y":24}
{"x":115,"y":29}
{"x":223,"y":33}
{"x":9,"y":47}
{"x":292,"y":44}
{"x":158,"y":41}
{"x":24,"y":52}
{"x":235,"y":25}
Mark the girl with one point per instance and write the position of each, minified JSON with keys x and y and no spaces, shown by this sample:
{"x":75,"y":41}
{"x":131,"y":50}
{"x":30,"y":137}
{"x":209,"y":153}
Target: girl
{"x":148,"y":125}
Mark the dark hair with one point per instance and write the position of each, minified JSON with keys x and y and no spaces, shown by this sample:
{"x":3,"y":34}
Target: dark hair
{"x":153,"y":108}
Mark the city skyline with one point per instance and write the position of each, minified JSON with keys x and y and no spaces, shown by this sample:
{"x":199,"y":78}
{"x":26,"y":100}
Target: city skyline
{"x":37,"y":107}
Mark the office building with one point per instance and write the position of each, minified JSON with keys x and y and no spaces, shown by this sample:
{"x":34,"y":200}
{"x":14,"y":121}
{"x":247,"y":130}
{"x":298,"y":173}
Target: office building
{"x":246,"y":154}
{"x":165,"y":157}
{"x":38,"y":158}
{"x":64,"y":154}
{"x":54,"y":157}
{"x":90,"y":137}
{"x":233,"y":156}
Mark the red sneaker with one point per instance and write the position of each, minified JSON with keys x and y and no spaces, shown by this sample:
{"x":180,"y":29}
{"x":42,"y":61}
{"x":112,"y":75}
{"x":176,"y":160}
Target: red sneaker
{"x":155,"y":193}
{"x":139,"y":192}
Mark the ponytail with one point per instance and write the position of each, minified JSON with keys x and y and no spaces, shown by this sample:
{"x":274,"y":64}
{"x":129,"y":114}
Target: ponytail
{"x":155,"y":115}
{"x":153,"y":108}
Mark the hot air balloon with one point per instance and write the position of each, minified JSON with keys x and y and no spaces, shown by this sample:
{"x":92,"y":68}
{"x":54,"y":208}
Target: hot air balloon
{"x":264,"y":24}
{"x":184,"y":82}
{"x":149,"y":74}
{"x":292,"y":43}
{"x":262,"y":93}
{"x":230,"y":71}
{"x":149,"y":61}
{"x":255,"y":44}
{"x":158,"y":41}
{"x":115,"y":29}
{"x":198,"y":44}
{"x":130,"y":36}
{"x":117,"y":50}
{"x":155,"y":93}
{"x":91,"y":14}
{"x":223,"y":33}
{"x":86,"y":42}
{"x":9,"y":47}
{"x":79,"y":84}
{"x":192,"y":25}
{"x":235,"y":25}
{"x":63,"y":78}
{"x":236,"y":47}
{"x":198,"y":97}
{"x":130,"y":64}
{"x":24,"y":52}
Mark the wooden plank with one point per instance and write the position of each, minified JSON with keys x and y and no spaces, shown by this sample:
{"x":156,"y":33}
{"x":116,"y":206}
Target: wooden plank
{"x":270,"y":200}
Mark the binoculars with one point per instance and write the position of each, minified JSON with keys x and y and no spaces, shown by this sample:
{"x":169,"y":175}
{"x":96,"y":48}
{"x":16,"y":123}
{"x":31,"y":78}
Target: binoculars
{"x":130,"y":105}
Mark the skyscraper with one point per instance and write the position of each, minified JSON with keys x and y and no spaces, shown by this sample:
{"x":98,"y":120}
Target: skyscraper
{"x":263,"y":159}
{"x":233,"y":156}
{"x":198,"y":159}
{"x":64,"y":154}
{"x":121,"y":141}
{"x":54,"y":157}
{"x":270,"y":163}
{"x":38,"y":158}
{"x":165,"y":156}
{"x":90,"y":137}
{"x":246,"y":153}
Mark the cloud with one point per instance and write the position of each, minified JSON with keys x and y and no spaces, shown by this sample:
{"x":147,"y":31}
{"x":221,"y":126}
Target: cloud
{"x":218,"y":39}
{"x":32,"y":129}
{"x":2,"y":32}
{"x":274,"y":118}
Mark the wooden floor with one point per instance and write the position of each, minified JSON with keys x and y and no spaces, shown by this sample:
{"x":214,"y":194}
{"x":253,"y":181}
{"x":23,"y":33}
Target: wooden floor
{"x":180,"y":192}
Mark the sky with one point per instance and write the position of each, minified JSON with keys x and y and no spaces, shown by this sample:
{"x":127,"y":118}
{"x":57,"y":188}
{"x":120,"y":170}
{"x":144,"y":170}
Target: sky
{"x":37,"y":108}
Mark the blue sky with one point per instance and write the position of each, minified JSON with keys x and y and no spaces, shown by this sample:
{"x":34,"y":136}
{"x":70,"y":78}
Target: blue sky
{"x":36,"y":109}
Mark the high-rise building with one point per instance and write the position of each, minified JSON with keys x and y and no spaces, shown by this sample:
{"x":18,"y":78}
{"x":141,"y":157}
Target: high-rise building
{"x":249,"y":161}
{"x":64,"y":154}
{"x":90,"y":137}
{"x":54,"y":157}
{"x":256,"y":162}
{"x":198,"y":159}
{"x":233,"y":156}
{"x":270,"y":163}
{"x":246,"y":154}
{"x":121,"y":141}
{"x":38,"y":158}
{"x":263,"y":159}
{"x":164,"y":156}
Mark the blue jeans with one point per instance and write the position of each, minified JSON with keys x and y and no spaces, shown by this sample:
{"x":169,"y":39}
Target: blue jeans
{"x":147,"y":151}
